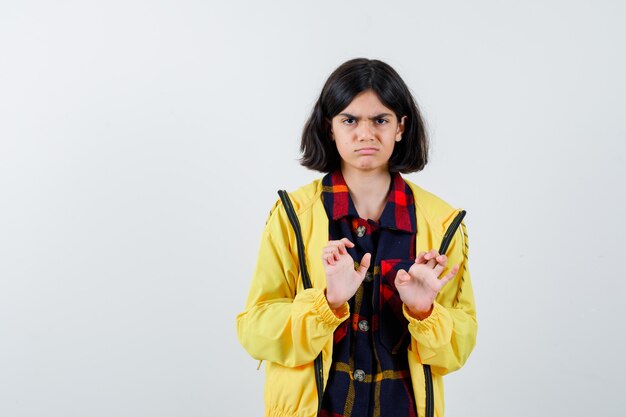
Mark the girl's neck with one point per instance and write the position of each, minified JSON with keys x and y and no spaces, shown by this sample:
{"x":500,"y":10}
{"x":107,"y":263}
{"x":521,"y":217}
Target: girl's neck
{"x":368,"y":190}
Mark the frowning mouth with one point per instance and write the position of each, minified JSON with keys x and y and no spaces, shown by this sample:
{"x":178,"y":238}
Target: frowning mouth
{"x":366,"y":151}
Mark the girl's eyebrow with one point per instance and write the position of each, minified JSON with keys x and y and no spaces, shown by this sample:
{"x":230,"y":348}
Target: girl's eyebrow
{"x":378,"y":116}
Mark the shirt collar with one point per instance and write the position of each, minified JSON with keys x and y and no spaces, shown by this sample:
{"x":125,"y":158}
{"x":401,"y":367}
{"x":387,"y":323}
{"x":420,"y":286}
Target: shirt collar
{"x":395,"y":215}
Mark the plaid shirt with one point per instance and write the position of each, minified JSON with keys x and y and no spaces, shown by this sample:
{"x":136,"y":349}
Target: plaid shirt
{"x":370,"y":375}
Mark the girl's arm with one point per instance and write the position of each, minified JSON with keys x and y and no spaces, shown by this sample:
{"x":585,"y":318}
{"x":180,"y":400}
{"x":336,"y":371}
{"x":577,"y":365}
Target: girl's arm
{"x":276,"y":326}
{"x":447,"y":336}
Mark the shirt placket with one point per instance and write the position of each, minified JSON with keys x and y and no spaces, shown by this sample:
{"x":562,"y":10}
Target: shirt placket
{"x":363,"y":364}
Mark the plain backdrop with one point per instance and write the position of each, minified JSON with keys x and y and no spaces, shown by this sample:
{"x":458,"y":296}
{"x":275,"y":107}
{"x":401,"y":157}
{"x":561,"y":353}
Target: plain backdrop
{"x":142,"y":144}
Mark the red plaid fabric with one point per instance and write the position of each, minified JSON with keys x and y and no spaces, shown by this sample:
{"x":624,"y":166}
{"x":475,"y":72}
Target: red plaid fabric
{"x":370,"y":375}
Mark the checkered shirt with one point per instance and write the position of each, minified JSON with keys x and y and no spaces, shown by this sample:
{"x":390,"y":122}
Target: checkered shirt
{"x":370,"y":375}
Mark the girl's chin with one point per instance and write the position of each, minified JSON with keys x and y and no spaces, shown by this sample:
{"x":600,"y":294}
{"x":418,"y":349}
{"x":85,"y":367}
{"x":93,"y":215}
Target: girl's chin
{"x":367,"y":167}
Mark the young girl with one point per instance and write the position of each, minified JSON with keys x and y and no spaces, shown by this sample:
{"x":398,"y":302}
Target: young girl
{"x":387,"y":315}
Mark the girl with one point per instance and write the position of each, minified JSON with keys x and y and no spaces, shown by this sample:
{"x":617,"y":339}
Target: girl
{"x":386,"y":315}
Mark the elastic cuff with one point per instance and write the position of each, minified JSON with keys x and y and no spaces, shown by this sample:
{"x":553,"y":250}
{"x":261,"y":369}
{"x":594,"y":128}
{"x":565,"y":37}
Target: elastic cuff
{"x":329,"y":316}
{"x":428,"y":322}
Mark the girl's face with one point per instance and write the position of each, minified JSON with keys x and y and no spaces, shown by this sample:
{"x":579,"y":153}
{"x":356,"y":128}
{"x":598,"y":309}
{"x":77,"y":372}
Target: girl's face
{"x":365,"y":133}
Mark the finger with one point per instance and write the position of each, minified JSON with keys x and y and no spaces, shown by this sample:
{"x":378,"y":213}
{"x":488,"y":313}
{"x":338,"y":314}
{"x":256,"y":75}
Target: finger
{"x":420,"y":258}
{"x":331,"y":256}
{"x":402,"y":277}
{"x":431,"y":254}
{"x":344,"y":241}
{"x":430,"y":258}
{"x":442,"y":261}
{"x":365,"y":264}
{"x":331,"y":251}
{"x":342,"y":248}
{"x":347,"y":242}
{"x":449,"y":275}
{"x":438,"y":269}
{"x":341,"y":245}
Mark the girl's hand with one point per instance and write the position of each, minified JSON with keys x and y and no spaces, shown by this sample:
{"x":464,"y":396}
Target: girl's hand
{"x":342,"y":280}
{"x":419,"y":287}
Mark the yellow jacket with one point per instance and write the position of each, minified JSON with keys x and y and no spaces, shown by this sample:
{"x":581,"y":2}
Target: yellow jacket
{"x":289,"y":332}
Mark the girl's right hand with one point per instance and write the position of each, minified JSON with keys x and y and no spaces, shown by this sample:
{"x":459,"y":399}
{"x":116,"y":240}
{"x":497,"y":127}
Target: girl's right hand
{"x":342,"y":280}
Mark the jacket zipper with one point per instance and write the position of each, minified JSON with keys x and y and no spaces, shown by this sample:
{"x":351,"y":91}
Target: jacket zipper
{"x":293,"y":218}
{"x":428,"y":375}
{"x":306,"y":282}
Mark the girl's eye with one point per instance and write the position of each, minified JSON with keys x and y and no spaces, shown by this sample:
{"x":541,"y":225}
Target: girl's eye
{"x":381,"y":121}
{"x":349,"y":121}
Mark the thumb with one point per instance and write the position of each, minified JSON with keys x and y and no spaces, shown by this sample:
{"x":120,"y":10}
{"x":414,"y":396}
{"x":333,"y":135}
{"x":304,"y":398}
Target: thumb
{"x":402,"y":277}
{"x":364,"y":265}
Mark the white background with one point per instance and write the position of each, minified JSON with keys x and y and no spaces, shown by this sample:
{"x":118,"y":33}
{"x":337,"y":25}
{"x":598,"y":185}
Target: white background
{"x":142,"y":144}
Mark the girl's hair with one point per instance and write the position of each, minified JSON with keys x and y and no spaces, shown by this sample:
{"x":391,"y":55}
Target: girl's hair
{"x":319,"y":152}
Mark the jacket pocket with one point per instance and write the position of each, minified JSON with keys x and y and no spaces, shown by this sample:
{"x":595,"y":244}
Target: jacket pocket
{"x":393,"y":331}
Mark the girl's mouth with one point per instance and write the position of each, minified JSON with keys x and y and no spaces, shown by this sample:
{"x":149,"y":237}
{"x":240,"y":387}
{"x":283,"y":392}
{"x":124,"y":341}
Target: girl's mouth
{"x":366,"y":151}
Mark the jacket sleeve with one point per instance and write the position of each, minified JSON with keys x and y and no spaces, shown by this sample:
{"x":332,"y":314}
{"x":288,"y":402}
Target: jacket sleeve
{"x":276,"y":326}
{"x":445,"y":339}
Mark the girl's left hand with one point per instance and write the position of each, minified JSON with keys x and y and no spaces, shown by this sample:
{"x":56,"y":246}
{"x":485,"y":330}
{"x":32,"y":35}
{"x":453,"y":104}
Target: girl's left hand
{"x":419,"y":287}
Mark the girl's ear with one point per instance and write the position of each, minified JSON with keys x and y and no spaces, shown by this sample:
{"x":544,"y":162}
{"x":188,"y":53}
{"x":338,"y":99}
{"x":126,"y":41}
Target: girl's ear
{"x":400,"y":129}
{"x":330,"y":129}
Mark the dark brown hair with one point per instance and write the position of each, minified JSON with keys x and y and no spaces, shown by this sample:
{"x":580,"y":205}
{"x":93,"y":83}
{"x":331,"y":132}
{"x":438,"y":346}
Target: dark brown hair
{"x":319,"y":152}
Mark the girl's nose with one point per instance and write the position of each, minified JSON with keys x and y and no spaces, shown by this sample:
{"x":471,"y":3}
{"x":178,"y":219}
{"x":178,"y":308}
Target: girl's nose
{"x":365,"y":131}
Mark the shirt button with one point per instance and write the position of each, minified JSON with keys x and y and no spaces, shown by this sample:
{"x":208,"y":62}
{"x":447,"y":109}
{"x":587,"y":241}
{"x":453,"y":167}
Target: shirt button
{"x":369,"y":277}
{"x":359,"y":375}
{"x":360,"y":231}
{"x":364,"y":325}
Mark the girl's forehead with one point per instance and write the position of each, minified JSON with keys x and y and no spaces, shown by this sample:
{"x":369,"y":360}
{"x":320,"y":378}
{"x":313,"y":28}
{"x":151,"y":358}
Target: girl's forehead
{"x":368,"y":102}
